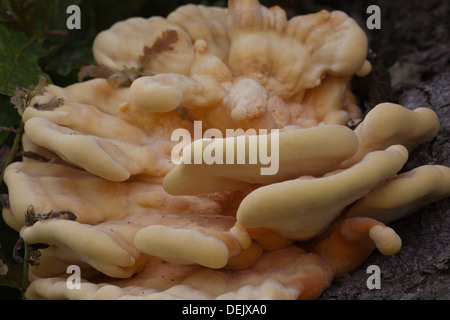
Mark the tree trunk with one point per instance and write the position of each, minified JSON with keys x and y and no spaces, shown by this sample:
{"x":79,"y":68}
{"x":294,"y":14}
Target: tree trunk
{"x":411,"y":66}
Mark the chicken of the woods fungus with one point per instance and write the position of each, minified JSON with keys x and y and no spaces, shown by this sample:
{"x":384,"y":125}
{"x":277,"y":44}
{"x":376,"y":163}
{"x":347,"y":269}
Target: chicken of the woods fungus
{"x":111,"y":200}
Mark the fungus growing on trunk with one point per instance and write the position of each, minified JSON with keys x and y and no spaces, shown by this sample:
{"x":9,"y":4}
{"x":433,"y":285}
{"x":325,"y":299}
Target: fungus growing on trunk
{"x":148,"y":227}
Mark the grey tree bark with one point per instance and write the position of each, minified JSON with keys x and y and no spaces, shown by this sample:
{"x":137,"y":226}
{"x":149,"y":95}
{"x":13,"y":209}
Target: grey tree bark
{"x":411,"y":59}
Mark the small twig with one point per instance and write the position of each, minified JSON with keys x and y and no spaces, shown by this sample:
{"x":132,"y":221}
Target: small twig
{"x":14,"y":148}
{"x":10,"y":129}
{"x":12,"y":155}
{"x":26,"y":267}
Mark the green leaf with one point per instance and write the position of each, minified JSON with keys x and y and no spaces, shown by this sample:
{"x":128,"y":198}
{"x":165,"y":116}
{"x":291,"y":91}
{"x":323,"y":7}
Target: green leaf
{"x":19,"y":57}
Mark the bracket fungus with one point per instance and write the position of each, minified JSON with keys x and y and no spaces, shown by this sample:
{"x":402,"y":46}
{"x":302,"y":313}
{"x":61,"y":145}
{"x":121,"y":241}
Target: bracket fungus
{"x":150,"y":228}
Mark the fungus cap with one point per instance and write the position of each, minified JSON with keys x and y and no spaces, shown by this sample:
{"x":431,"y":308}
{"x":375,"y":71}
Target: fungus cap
{"x":123,"y":45}
{"x":388,"y":124}
{"x":302,"y":208}
{"x":403,"y":194}
{"x":288,"y":273}
{"x":353,"y":240}
{"x":277,"y":156}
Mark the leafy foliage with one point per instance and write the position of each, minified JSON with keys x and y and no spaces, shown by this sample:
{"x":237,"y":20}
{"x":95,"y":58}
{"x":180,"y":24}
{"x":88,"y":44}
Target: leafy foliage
{"x":18,"y":66}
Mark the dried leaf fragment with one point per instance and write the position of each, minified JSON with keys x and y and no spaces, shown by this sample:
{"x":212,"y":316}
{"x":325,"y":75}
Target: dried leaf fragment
{"x":92,"y":71}
{"x":163,"y":43}
{"x":21,"y":248}
{"x":31,"y":217}
{"x":125,"y":77}
{"x":117,"y":79}
{"x":52,"y":104}
{"x":22,"y":97}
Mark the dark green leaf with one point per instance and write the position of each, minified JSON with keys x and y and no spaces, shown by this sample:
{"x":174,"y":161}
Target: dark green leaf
{"x":19,"y":57}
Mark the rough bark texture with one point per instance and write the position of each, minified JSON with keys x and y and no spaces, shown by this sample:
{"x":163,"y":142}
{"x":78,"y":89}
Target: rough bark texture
{"x":411,"y":52}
